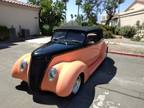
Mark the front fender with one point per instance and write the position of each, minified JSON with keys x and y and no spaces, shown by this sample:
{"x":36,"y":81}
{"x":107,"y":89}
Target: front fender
{"x":68,"y":76}
{"x":64,"y":81}
{"x":16,"y":73}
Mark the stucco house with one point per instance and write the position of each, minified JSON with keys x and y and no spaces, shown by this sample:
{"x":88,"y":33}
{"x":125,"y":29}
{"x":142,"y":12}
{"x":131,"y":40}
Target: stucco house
{"x":18,"y":15}
{"x":134,"y":13}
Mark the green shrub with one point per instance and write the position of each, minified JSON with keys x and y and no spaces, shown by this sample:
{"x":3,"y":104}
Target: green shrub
{"x":47,"y":30}
{"x":128,"y":31}
{"x":117,"y":31}
{"x":105,"y":27}
{"x":112,"y":29}
{"x":107,"y":34}
{"x":137,"y":38}
{"x":4,"y":33}
{"x":107,"y":31}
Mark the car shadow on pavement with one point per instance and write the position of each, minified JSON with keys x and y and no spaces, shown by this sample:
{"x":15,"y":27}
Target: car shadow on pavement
{"x":103,"y":75}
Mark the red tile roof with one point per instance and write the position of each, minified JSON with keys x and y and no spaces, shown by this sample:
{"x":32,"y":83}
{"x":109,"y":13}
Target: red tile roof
{"x":16,"y":2}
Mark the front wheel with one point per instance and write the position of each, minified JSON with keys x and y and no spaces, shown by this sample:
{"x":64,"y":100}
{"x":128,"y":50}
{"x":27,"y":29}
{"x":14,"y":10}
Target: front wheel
{"x":77,"y":85}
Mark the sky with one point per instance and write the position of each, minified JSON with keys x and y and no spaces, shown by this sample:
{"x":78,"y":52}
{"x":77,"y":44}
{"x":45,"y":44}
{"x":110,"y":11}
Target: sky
{"x":72,"y":8}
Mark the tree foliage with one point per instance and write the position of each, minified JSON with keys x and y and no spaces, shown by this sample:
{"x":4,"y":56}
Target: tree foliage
{"x":65,"y":5}
{"x":53,"y":12}
{"x":78,"y":3}
{"x":51,"y":15}
{"x":91,"y":9}
{"x":34,"y":2}
{"x":79,"y":19}
{"x":110,"y":7}
{"x":65,"y":2}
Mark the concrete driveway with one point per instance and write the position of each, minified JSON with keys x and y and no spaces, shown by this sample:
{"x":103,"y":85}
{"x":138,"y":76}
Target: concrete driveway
{"x":118,"y":83}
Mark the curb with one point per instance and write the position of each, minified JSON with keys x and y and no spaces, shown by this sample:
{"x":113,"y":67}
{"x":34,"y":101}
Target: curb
{"x":126,"y":44}
{"x":127,"y":54}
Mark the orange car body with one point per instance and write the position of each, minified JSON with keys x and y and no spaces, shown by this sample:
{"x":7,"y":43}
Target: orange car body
{"x":69,"y":65}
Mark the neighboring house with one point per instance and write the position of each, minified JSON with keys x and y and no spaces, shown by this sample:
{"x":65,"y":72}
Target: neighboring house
{"x":134,"y":13}
{"x":18,"y":15}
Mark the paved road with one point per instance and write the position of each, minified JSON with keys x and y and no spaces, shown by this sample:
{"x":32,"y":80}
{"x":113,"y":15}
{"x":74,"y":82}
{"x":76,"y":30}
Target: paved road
{"x":118,"y":83}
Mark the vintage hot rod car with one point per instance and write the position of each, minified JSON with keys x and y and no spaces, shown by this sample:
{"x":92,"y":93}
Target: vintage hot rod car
{"x":65,"y":63}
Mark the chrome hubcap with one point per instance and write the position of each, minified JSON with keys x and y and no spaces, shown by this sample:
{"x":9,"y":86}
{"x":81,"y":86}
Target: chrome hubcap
{"x":77,"y":85}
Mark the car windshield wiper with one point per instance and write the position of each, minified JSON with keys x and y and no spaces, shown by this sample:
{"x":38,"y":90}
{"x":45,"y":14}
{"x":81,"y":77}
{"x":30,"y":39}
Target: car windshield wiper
{"x":60,"y":41}
{"x":75,"y":41}
{"x":55,"y":39}
{"x":65,"y":41}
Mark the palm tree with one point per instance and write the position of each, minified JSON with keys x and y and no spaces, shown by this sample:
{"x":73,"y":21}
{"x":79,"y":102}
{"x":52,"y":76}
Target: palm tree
{"x":65,"y":2}
{"x":78,"y":3}
{"x":72,"y":16}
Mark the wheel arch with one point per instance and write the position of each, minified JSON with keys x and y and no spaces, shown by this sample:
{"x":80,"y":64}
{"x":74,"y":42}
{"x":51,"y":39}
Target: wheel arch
{"x":82,"y":75}
{"x":66,"y":80}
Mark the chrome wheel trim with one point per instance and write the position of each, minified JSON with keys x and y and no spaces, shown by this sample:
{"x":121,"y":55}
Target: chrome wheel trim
{"x":77,"y":85}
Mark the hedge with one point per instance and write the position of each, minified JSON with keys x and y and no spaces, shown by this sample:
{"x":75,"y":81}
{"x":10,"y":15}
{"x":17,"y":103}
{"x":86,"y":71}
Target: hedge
{"x":128,"y":31}
{"x":107,"y":31}
{"x":4,"y":33}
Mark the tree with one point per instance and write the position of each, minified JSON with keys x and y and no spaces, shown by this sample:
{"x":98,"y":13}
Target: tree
{"x":79,"y":19}
{"x":72,"y":16}
{"x":110,"y":7}
{"x":51,"y":15}
{"x":78,"y":3}
{"x":65,"y":2}
{"x":91,"y":9}
{"x":34,"y":2}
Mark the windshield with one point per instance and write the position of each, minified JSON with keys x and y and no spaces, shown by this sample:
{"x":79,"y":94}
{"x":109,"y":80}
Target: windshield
{"x":69,"y":36}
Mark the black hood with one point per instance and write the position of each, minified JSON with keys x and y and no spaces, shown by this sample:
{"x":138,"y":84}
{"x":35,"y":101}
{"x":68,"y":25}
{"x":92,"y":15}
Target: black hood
{"x":53,"y":48}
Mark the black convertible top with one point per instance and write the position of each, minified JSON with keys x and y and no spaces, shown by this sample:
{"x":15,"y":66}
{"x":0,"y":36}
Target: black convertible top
{"x":83,"y":29}
{"x":80,"y":28}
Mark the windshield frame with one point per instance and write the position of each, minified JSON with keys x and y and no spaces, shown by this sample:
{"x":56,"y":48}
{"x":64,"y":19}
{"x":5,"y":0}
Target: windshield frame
{"x":67,"y":31}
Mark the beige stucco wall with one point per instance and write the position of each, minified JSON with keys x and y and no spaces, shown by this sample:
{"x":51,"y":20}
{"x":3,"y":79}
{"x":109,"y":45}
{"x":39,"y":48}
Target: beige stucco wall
{"x":132,"y":15}
{"x":136,"y":6}
{"x":131,"y":19}
{"x":16,"y":16}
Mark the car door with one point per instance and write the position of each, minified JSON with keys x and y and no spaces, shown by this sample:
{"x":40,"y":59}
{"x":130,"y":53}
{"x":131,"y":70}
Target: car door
{"x":92,"y":50}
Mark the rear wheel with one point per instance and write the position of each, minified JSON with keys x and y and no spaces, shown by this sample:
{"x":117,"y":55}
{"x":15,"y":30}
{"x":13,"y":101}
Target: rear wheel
{"x":77,"y":85}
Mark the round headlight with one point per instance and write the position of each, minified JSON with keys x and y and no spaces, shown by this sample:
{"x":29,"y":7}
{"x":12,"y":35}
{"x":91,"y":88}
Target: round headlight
{"x":23,"y":65}
{"x":52,"y":74}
